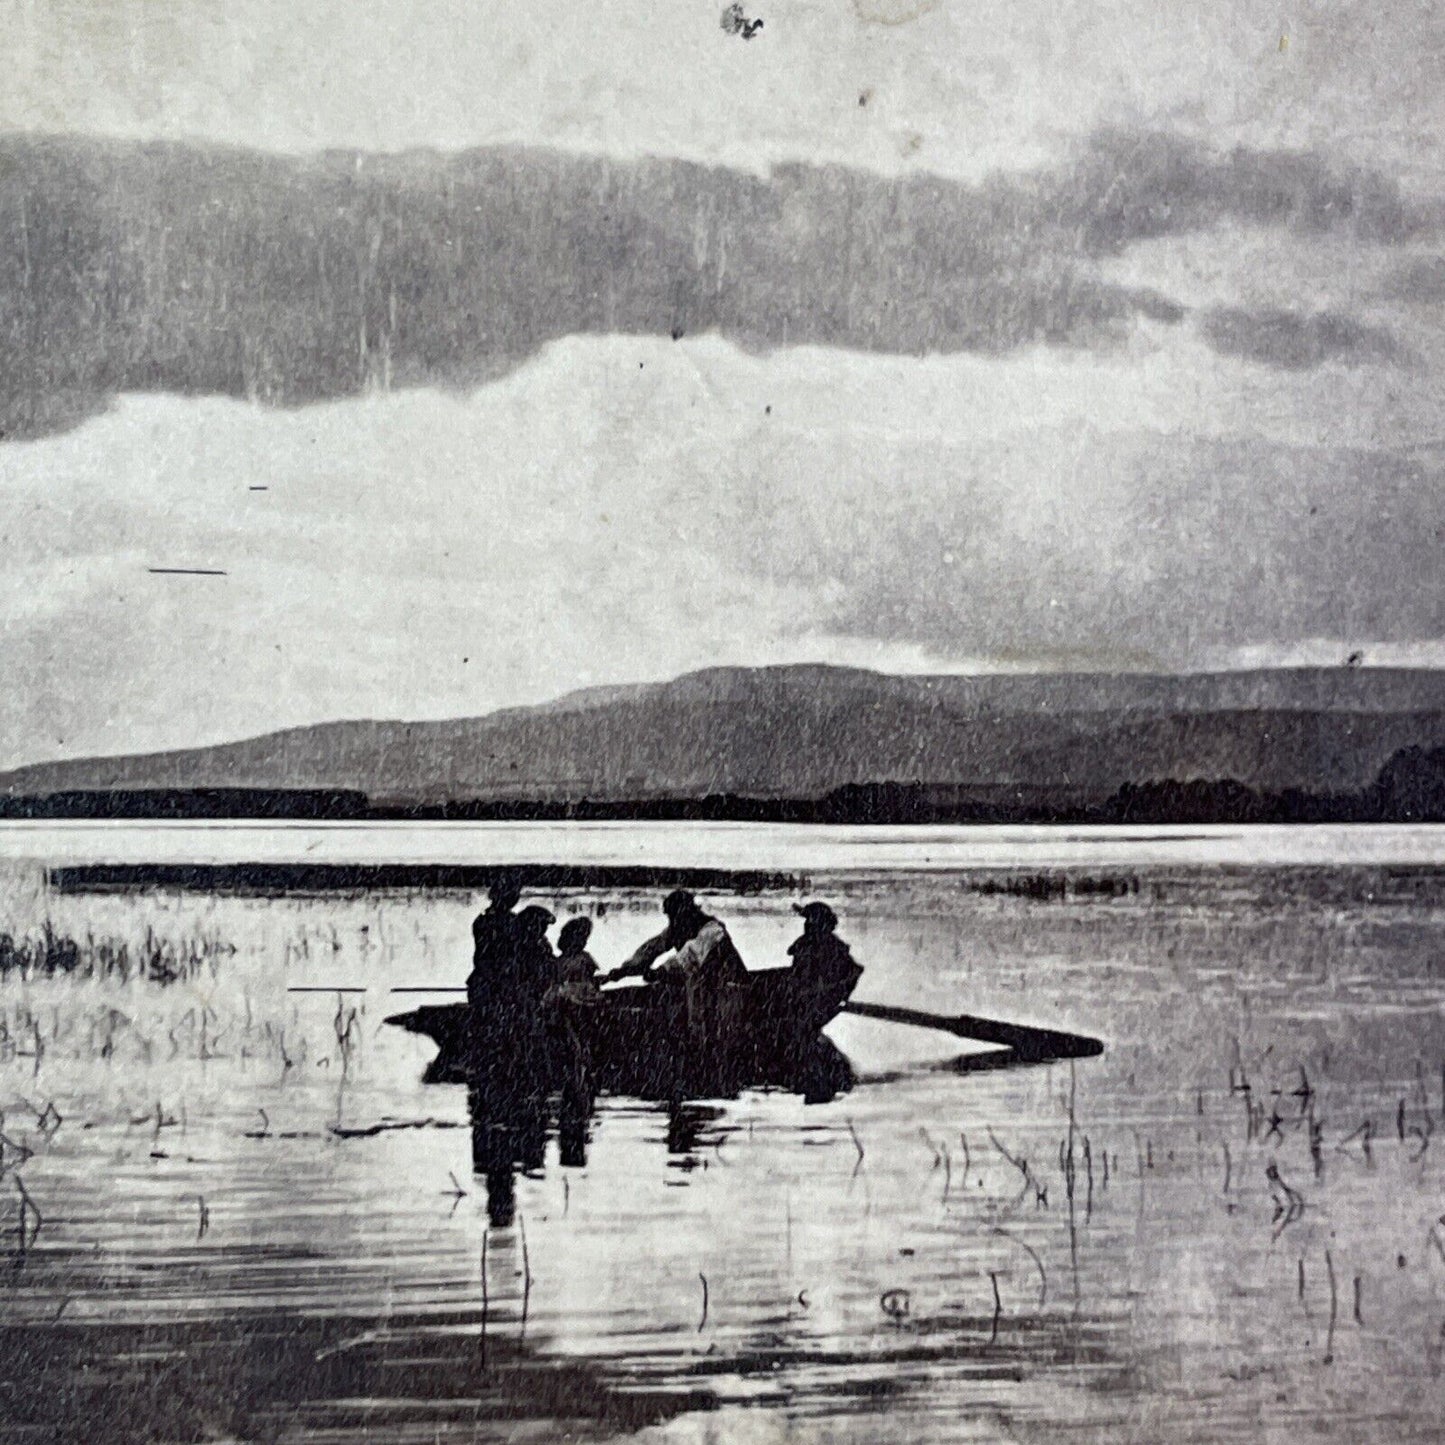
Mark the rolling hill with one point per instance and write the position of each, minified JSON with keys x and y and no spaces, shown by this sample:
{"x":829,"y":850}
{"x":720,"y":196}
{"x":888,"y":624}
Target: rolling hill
{"x":804,"y":731}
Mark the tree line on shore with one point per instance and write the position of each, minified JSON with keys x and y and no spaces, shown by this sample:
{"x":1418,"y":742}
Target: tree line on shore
{"x":1410,"y":788}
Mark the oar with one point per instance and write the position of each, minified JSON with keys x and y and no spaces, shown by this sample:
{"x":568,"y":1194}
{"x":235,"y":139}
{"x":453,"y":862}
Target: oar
{"x":1027,"y":1043}
{"x":332,"y":988}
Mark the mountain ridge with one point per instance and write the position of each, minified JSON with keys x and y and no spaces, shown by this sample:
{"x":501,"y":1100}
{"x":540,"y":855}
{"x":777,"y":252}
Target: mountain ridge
{"x":803,"y":730}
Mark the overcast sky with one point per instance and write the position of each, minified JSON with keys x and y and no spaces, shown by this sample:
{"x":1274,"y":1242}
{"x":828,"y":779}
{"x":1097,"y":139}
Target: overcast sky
{"x":491,"y":350}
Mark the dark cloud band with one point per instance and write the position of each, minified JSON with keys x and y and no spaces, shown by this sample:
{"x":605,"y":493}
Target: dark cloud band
{"x":130,"y":267}
{"x":1296,"y":341}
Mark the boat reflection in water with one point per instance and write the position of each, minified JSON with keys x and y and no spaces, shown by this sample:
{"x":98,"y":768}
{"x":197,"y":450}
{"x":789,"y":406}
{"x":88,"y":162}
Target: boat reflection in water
{"x":632,"y":1042}
{"x":504,"y":1148}
{"x":626,"y":1046}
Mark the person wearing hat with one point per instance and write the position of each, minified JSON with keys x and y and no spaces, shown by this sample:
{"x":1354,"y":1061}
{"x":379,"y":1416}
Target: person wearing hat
{"x":704,"y":959}
{"x":536,"y":960}
{"x":494,"y":935}
{"x":822,"y":963}
{"x":685,"y":922}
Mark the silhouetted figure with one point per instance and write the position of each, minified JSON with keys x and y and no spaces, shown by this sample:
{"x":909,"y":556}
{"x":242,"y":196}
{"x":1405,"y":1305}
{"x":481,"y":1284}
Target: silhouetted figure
{"x":531,"y":1046}
{"x":577,"y":971}
{"x":490,"y":990}
{"x":822,"y":963}
{"x":499,"y":918}
{"x":537,"y":960}
{"x":572,"y":1005}
{"x":577,"y":1000}
{"x":508,"y":1099}
{"x":494,"y":948}
{"x":508,"y":1049}
{"x":709,"y":968}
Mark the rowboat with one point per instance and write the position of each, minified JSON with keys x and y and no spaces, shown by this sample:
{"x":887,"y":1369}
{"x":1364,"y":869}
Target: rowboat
{"x":637,"y":1039}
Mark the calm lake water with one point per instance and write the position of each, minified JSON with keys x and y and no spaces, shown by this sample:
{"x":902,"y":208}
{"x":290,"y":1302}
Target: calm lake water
{"x":235,"y":1212}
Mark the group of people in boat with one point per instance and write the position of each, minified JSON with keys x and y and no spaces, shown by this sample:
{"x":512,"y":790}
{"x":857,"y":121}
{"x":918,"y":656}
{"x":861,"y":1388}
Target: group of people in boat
{"x":536,"y":1014}
{"x":529,"y":1003}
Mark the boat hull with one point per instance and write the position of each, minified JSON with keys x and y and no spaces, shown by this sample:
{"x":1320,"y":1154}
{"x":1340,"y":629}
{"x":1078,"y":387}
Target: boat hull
{"x":636,"y":1040}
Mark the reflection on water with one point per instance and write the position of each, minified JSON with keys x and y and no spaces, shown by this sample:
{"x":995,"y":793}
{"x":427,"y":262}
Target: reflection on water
{"x":233,"y":1213}
{"x":506,"y":1143}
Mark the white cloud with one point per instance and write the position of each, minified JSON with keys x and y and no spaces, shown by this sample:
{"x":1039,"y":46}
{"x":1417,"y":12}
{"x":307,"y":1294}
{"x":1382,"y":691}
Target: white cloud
{"x":626,"y":509}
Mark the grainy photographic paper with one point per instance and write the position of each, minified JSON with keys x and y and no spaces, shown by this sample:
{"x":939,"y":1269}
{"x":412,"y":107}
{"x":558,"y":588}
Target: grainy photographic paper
{"x":721,"y":722}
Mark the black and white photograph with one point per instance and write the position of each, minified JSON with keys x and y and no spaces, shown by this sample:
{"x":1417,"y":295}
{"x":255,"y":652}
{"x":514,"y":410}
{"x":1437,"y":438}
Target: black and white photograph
{"x":722,"y":722}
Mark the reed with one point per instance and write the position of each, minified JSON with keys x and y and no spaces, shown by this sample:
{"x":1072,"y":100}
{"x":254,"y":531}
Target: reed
{"x":48,"y":953}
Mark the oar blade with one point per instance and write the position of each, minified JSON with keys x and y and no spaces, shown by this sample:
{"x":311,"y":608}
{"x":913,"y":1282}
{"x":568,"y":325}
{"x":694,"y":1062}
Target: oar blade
{"x":1030,"y":1044}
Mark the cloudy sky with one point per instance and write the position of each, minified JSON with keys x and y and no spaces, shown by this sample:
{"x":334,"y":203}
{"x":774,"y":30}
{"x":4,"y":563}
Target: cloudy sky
{"x":485,"y":351}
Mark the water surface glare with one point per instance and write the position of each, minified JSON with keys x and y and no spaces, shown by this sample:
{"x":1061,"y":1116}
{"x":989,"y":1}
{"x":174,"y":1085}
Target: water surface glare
{"x":236,"y":1211}
{"x":798,"y":847}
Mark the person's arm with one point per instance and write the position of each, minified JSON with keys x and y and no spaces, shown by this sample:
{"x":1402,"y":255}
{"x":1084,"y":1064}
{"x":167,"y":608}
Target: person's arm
{"x":725,"y":956}
{"x":711,"y":937}
{"x":701,"y":950}
{"x":643,"y":957}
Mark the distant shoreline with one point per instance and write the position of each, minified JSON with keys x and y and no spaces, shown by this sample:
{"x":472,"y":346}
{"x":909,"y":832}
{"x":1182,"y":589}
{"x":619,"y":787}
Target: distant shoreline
{"x":1411,"y":791}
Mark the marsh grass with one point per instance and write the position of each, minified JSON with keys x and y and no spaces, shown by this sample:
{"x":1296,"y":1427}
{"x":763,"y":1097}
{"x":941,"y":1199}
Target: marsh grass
{"x":152,"y":996}
{"x":151,"y":959}
{"x":152,"y":977}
